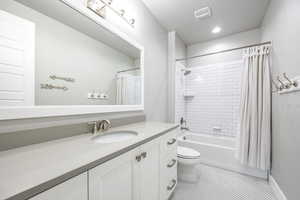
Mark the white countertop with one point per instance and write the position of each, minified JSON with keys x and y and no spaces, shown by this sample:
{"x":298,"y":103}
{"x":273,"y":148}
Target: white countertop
{"x":27,"y":167}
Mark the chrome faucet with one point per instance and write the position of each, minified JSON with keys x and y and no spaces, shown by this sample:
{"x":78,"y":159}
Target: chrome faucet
{"x":183,"y":127}
{"x":100,"y":126}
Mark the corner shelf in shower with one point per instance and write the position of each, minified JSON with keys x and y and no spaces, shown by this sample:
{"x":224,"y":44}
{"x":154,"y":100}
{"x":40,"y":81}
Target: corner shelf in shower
{"x":189,"y":94}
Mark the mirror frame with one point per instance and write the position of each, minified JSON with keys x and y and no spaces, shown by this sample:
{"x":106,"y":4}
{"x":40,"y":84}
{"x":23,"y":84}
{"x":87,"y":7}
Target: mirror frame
{"x":25,"y":112}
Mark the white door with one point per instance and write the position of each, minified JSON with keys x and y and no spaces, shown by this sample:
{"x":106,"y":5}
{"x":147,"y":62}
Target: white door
{"x":113,"y":180}
{"x":17,"y":60}
{"x":73,"y":189}
{"x":148,"y":179}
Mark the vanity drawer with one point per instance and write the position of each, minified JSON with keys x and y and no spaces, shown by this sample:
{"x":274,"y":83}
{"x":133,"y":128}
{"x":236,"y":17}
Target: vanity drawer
{"x":168,"y":169}
{"x":168,"y":143}
{"x":168,"y":175}
{"x":169,"y":163}
{"x":169,"y":183}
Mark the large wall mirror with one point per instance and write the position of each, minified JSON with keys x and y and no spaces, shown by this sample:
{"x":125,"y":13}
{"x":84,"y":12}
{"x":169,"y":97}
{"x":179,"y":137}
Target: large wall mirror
{"x":58,"y":58}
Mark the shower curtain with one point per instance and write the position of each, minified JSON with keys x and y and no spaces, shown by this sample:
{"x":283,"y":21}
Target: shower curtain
{"x":255,"y":114}
{"x":128,"y":89}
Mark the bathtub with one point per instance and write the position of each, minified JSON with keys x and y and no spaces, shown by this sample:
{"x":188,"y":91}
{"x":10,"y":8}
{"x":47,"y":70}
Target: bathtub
{"x":218,"y":151}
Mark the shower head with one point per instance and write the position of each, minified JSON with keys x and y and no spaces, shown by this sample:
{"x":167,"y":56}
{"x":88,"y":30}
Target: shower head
{"x":186,"y":71}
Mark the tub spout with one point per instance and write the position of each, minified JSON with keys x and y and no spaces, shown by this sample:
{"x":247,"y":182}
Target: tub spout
{"x":184,"y":128}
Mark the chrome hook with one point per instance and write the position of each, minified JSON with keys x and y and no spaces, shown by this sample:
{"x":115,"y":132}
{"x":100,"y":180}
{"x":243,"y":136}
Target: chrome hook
{"x":294,"y":83}
{"x":283,"y":85}
{"x":279,"y":88}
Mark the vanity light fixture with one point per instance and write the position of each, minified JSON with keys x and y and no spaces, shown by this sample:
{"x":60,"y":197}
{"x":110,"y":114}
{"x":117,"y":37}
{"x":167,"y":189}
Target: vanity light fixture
{"x":132,"y":21}
{"x":122,"y":12}
{"x":216,"y":30}
{"x":99,"y":7}
{"x":109,"y":2}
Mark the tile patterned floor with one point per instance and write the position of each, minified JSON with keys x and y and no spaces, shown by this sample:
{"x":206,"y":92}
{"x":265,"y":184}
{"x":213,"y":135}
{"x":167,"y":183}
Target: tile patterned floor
{"x":219,"y":184}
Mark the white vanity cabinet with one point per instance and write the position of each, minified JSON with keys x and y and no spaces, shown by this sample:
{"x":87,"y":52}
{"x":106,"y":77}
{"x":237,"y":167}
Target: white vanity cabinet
{"x":73,"y":189}
{"x":148,"y":172}
{"x":131,"y":176}
{"x":114,"y":179}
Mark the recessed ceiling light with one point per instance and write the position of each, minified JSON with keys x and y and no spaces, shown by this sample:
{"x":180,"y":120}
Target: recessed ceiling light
{"x":216,"y":30}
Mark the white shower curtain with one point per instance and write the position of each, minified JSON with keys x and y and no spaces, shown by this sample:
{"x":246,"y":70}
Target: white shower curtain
{"x":255,"y":116}
{"x":128,"y":89}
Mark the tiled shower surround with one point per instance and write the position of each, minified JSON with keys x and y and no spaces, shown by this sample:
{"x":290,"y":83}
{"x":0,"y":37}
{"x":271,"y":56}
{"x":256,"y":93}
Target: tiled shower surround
{"x":214,"y":108}
{"x":179,"y":88}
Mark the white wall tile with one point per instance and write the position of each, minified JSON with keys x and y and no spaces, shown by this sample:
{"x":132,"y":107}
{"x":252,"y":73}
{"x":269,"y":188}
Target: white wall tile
{"x":216,"y":101}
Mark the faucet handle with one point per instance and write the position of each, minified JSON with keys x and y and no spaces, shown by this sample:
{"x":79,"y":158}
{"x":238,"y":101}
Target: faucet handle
{"x":95,"y":126}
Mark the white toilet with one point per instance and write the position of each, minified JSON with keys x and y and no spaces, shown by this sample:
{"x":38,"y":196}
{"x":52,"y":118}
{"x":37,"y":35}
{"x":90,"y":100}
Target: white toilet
{"x":188,"y":159}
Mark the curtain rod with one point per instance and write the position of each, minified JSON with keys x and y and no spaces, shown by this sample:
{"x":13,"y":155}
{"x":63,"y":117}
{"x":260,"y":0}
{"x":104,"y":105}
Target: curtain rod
{"x":127,"y":70}
{"x":224,"y":51}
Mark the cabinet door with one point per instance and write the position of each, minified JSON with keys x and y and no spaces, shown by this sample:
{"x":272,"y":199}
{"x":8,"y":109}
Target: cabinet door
{"x":113,"y":180}
{"x":73,"y":189}
{"x":149,"y":171}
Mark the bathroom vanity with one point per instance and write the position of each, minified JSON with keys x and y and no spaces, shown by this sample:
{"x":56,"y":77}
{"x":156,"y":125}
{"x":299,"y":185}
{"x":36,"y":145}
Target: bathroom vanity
{"x":77,"y":168}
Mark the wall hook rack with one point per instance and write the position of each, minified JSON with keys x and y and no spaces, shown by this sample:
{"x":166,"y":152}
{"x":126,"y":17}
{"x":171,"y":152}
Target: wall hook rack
{"x":287,"y":85}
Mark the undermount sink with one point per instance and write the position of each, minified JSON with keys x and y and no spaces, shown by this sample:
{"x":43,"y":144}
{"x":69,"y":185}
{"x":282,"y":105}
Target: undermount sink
{"x":114,"y":136}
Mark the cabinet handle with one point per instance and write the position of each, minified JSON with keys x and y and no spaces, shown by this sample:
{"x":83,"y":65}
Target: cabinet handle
{"x":172,"y":163}
{"x":172,"y":141}
{"x":144,"y":154}
{"x":173,"y":184}
{"x":138,"y":158}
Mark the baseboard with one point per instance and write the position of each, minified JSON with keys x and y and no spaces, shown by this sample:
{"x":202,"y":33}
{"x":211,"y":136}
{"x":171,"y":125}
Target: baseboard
{"x":276,"y":189}
{"x":243,"y":171}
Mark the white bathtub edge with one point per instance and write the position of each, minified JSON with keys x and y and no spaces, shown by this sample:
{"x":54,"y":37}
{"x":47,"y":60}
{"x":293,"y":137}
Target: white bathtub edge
{"x":206,"y":144}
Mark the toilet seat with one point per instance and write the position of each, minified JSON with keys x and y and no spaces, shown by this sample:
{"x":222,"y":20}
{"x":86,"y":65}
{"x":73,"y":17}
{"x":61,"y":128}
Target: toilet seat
{"x":187,"y":153}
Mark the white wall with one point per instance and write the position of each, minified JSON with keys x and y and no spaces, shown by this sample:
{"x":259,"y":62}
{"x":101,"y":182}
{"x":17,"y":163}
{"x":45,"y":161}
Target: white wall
{"x":154,"y":38}
{"x":232,"y":41}
{"x":180,"y":47}
{"x":176,"y":49}
{"x":63,"y":51}
{"x":281,"y":26}
{"x":180,"y":52}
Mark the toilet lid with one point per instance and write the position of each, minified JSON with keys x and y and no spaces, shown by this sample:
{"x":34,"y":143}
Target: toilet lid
{"x":184,"y":152}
